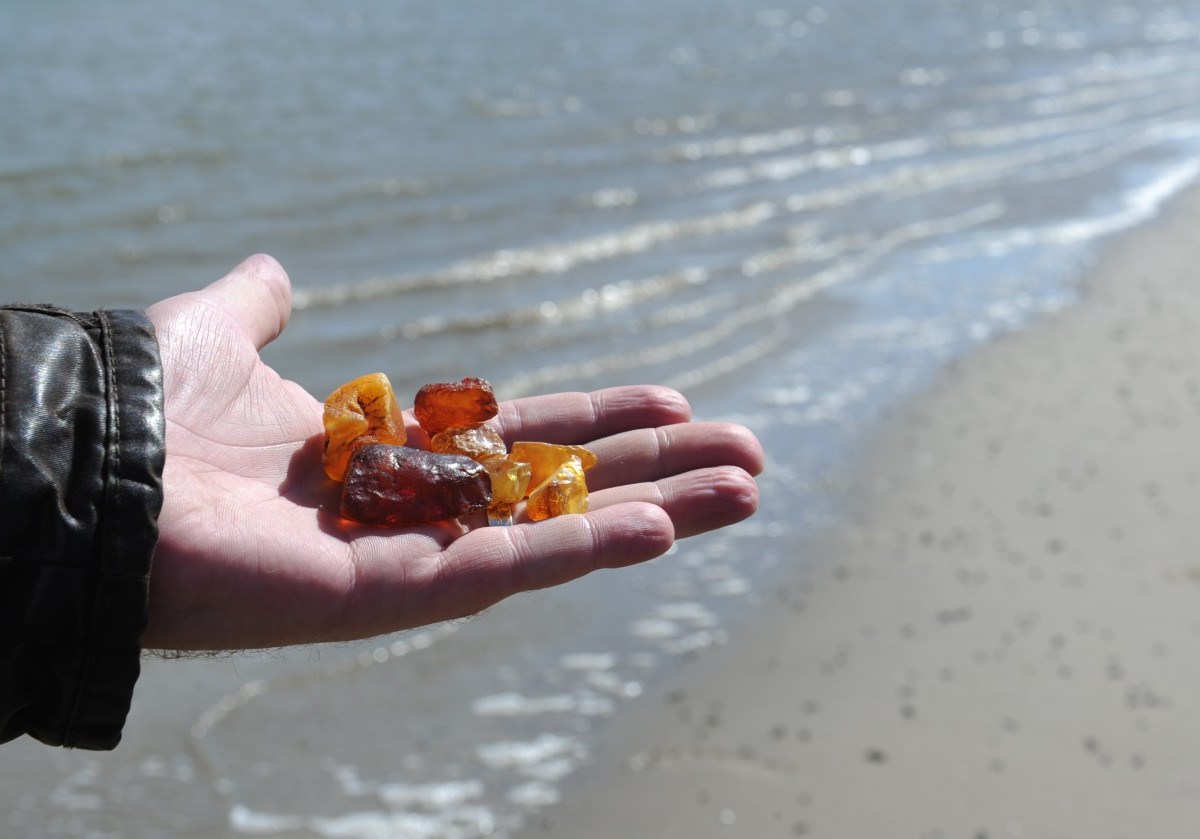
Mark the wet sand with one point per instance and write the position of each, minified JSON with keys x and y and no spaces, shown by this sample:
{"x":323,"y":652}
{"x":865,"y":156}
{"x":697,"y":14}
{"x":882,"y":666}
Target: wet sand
{"x":1003,"y":640}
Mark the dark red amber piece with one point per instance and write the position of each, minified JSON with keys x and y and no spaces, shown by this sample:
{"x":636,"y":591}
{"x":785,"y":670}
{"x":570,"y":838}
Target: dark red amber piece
{"x":460,"y":404}
{"x":398,"y":486}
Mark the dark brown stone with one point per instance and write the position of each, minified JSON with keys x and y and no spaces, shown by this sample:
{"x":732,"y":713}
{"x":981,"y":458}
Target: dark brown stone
{"x":398,"y":486}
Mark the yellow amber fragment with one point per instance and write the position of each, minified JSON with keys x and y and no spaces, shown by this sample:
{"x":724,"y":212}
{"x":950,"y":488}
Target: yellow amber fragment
{"x":510,"y":480}
{"x":546,"y":458}
{"x":479,"y":442}
{"x":360,"y":412}
{"x":565,"y":491}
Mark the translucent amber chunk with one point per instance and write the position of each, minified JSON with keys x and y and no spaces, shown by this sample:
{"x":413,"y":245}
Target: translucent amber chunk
{"x":398,"y":486}
{"x":460,"y":404}
{"x":510,"y":480}
{"x":358,"y":413}
{"x":565,"y":491}
{"x":479,"y":442}
{"x":546,"y":458}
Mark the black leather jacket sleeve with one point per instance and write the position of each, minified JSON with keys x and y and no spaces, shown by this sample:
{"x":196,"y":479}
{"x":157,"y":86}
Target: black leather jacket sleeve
{"x":81,"y":459}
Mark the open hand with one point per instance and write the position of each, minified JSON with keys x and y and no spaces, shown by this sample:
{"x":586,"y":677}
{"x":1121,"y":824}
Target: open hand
{"x":251,"y":552}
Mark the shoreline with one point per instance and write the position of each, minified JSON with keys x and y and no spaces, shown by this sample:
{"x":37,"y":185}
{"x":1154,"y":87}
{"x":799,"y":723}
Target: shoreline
{"x":1000,"y":639}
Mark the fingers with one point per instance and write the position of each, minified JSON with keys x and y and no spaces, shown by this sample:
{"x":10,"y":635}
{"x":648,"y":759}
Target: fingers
{"x":256,"y":295}
{"x":575,"y":418}
{"x":492,"y":563}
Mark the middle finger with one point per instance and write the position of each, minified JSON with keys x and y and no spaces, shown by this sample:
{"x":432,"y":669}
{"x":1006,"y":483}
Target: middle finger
{"x":648,"y":454}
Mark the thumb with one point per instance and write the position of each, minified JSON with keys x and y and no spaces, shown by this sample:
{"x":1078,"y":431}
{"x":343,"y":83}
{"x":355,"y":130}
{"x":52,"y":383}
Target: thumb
{"x":257,"y":296}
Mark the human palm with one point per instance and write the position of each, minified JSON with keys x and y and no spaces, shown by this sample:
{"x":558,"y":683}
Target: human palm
{"x":252,"y":553}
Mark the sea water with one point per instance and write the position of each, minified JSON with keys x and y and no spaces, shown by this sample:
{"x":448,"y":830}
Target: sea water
{"x":796,"y":213}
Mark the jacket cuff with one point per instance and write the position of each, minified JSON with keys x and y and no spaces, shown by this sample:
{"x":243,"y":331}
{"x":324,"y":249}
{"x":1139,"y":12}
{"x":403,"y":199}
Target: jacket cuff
{"x":82,"y":449}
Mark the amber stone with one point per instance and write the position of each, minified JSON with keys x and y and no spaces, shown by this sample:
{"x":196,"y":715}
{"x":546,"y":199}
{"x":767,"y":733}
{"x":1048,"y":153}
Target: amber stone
{"x":565,"y":491}
{"x":546,"y":458}
{"x":358,"y":413}
{"x":479,"y":442}
{"x":459,"y":404}
{"x":398,"y":486}
{"x":510,"y":479}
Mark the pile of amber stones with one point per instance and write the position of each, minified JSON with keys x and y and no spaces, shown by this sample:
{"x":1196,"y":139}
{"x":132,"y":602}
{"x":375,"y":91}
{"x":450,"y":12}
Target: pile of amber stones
{"x":467,"y":469}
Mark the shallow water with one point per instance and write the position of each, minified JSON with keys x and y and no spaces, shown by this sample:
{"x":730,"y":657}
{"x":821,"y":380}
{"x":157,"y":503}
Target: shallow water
{"x":794,"y":212}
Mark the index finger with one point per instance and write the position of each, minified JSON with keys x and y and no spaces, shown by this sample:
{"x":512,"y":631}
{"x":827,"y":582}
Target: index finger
{"x":491,"y":563}
{"x":579,"y":418}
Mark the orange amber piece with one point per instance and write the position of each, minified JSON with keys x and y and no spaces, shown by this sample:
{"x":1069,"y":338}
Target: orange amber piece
{"x":479,"y":442}
{"x":563,"y":492}
{"x":358,"y":413}
{"x":546,"y":458}
{"x":400,"y":486}
{"x":460,"y":404}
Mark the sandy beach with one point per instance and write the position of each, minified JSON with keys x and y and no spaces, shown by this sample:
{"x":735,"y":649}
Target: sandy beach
{"x":1002,"y":640}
